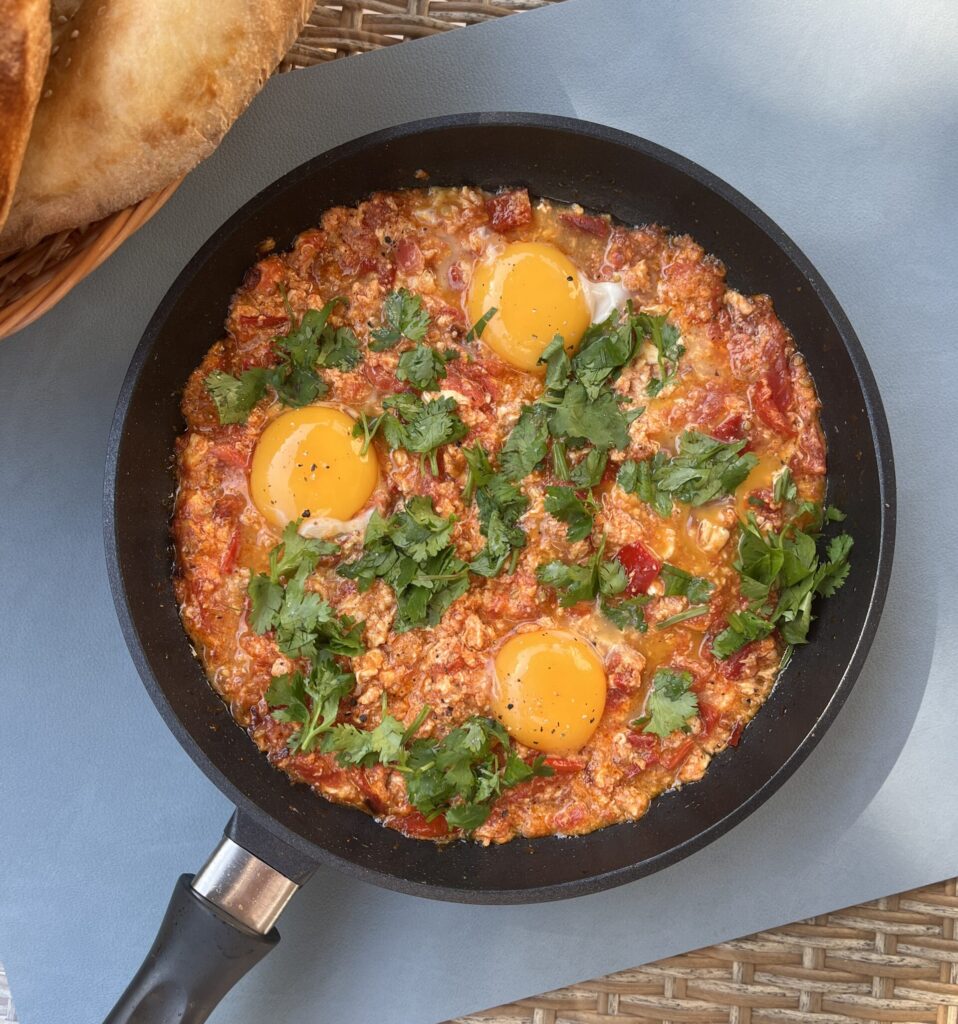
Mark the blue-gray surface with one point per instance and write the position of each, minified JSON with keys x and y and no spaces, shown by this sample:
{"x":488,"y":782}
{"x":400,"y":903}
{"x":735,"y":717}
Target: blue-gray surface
{"x":841,"y":122}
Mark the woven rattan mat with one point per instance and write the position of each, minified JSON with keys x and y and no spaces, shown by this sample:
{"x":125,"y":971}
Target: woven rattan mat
{"x":895,"y":959}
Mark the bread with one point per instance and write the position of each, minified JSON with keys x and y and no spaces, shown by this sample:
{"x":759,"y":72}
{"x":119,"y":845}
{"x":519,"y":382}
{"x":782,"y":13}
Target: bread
{"x":137,"y":93}
{"x":24,"y":51}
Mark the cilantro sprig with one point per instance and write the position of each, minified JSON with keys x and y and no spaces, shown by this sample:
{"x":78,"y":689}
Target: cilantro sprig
{"x":568,"y":507}
{"x":417,"y":426}
{"x":577,"y":583}
{"x":670,"y":705}
{"x":310,"y":701}
{"x":404,"y":316}
{"x":461,"y":775}
{"x":304,"y":623}
{"x":412,"y":552}
{"x":424,"y":366}
{"x":308,"y":346}
{"x":669,"y":350}
{"x":704,"y":469}
{"x":780,"y":573}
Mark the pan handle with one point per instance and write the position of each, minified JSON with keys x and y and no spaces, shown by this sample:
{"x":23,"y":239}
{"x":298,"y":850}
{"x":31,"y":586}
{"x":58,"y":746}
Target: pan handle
{"x":218,"y":925}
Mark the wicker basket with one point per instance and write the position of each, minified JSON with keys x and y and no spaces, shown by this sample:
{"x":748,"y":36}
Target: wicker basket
{"x":895,"y":959}
{"x":34,"y":281}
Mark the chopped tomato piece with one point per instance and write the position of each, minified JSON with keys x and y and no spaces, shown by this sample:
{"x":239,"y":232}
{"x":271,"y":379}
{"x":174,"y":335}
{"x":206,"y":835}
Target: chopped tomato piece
{"x":262,"y":320}
{"x":585,"y":222}
{"x":509,"y":210}
{"x":672,"y":759}
{"x":736,"y":734}
{"x":231,"y":455}
{"x":564,"y":765}
{"x":369,"y":791}
{"x":730,"y":429}
{"x":409,"y":258}
{"x":416,"y":826}
{"x":647,"y":744}
{"x":640,"y":565}
{"x":767,"y":409}
{"x":710,"y":716}
{"x":457,"y":281}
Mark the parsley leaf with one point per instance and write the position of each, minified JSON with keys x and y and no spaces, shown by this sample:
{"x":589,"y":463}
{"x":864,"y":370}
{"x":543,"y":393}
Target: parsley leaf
{"x":404,"y":317}
{"x":461,"y":775}
{"x":569,"y":508}
{"x":310,"y":702}
{"x":704,"y":469}
{"x":235,"y":397}
{"x":665,"y":337}
{"x":424,"y":366}
{"x":671,"y":703}
{"x":412,"y":552}
{"x":526,"y":445}
{"x":679,"y":583}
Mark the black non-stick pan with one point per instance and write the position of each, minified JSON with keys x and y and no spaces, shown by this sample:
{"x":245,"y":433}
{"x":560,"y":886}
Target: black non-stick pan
{"x":220,"y":922}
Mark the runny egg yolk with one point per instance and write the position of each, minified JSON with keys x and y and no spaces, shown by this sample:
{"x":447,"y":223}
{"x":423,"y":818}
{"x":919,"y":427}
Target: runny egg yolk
{"x":549,"y":690}
{"x":307,"y":463}
{"x":537,"y":293}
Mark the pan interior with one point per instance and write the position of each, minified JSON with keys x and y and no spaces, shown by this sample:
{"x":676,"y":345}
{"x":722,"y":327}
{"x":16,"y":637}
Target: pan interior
{"x":637,"y":183}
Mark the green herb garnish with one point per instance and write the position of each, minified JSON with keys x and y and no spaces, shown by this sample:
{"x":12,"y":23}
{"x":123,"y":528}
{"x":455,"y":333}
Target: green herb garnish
{"x":671,"y":703}
{"x":584,"y":582}
{"x":420,"y":427}
{"x":412,"y":551}
{"x":578,"y":513}
{"x":404,"y":316}
{"x":310,"y":701}
{"x":424,"y":366}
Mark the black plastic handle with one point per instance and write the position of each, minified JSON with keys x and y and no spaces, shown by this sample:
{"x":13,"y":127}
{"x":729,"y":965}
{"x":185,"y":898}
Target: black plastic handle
{"x":198,"y":956}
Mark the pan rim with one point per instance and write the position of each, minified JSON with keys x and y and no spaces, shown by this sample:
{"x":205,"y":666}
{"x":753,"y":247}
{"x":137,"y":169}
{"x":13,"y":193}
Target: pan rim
{"x":873,"y":600}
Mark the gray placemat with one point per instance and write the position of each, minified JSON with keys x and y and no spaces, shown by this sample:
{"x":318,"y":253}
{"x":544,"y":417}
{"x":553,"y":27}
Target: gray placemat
{"x":840,"y":121}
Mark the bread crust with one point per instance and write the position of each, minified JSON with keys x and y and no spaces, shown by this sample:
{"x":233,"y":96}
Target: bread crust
{"x":24,"y":52}
{"x":136,"y":95}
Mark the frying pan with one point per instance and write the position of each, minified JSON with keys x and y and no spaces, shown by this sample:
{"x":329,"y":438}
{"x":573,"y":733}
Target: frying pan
{"x":221,"y":921}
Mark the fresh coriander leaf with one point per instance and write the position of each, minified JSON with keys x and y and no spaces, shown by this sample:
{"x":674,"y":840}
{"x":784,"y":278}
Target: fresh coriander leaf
{"x":294,"y":550}
{"x":296,"y":386}
{"x":558,"y":366}
{"x":480,"y":470}
{"x":784,"y":488}
{"x":403,"y":317}
{"x":423,"y":366}
{"x":419,"y":427}
{"x":584,"y":582}
{"x":460,"y":775}
{"x":671,"y":703}
{"x":669,"y":350}
{"x":235,"y":397}
{"x":834,"y":515}
{"x":480,"y":325}
{"x":266,"y":598}
{"x":639,"y":478}
{"x":604,"y":350}
{"x":311,"y":702}
{"x":569,"y":508}
{"x":526,"y":445}
{"x":743,"y":627}
{"x":629,"y":613}
{"x":385,"y":744}
{"x":589,"y":472}
{"x":418,"y":531}
{"x":339,"y":349}
{"x":830,"y":576}
{"x":679,"y":583}
{"x":501,"y":505}
{"x":599,"y":421}
{"x":690,"y":613}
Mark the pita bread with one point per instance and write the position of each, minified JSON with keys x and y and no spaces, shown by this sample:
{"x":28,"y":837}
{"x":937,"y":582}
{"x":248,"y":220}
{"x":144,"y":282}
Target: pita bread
{"x":24,"y":51}
{"x":137,"y":93}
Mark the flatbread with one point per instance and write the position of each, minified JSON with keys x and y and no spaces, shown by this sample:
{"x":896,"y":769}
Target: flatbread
{"x":137,"y":93}
{"x":24,"y":51}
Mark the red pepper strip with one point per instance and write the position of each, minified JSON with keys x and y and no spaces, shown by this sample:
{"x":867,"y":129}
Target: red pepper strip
{"x":736,"y":733}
